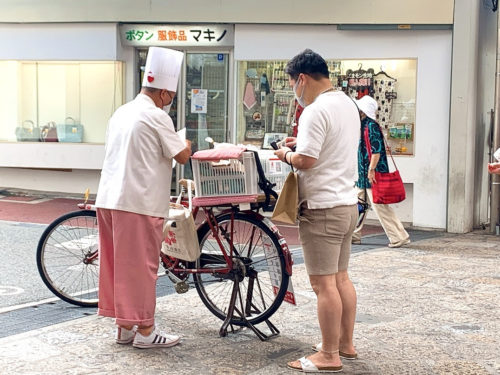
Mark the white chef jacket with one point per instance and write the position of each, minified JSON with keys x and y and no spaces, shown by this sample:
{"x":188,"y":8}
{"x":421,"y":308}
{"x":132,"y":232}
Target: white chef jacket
{"x":137,"y":171}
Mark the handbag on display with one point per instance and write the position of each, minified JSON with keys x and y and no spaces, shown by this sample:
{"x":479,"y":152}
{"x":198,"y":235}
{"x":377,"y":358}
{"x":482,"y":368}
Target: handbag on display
{"x":179,"y":231}
{"x":389,"y":187}
{"x":70,"y":131}
{"x":286,"y":206}
{"x":28,"y":132}
{"x":49,"y":133}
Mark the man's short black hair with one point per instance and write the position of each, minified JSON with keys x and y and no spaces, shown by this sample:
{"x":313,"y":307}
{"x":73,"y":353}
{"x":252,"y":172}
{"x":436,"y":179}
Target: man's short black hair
{"x":307,"y":62}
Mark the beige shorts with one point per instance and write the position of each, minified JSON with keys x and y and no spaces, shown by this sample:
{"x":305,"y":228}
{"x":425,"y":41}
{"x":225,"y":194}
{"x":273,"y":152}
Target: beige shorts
{"x":326,"y":236}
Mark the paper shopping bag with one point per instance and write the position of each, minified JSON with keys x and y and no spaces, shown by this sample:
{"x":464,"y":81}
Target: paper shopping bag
{"x":285,"y":209}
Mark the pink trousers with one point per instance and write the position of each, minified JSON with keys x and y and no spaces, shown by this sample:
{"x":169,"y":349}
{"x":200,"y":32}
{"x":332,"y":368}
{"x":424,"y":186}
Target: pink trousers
{"x":129,"y":252}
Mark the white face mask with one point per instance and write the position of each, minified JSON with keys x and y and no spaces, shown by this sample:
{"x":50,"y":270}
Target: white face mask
{"x":166,"y":108}
{"x":300,"y":99}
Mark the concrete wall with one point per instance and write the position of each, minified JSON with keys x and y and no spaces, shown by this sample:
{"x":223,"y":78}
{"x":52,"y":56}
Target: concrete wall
{"x":65,"y":181}
{"x":231,"y":11}
{"x":488,"y":30}
{"x":59,"y":41}
{"x":472,"y":98}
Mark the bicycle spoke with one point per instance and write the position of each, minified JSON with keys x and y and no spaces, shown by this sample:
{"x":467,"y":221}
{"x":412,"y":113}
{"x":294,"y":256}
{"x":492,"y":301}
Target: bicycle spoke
{"x":63,"y":252}
{"x":255,"y":255}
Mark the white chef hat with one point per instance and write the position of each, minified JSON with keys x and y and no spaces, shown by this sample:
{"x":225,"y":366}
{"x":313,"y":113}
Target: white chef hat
{"x":163,"y":67}
{"x":369,"y":106}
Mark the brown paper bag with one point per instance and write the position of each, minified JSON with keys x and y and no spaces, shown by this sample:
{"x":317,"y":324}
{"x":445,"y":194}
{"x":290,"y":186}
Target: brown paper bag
{"x":285,"y":209}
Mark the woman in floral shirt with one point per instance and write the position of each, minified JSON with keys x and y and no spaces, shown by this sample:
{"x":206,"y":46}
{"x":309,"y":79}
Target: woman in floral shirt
{"x":367,"y":166}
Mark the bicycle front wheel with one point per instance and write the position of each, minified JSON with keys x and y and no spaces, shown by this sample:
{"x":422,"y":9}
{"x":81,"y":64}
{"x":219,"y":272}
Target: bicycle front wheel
{"x":259,"y":265}
{"x":67,"y":258}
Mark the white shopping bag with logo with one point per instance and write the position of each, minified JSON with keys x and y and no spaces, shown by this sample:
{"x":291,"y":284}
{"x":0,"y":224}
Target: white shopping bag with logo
{"x":180,"y":237}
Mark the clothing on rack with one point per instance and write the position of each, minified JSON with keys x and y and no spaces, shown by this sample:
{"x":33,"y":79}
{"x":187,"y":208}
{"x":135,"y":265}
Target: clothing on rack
{"x":358,"y":83}
{"x":384,"y":85}
{"x":249,"y":99}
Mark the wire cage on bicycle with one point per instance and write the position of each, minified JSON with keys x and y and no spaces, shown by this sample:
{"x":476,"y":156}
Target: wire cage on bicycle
{"x":223,"y":177}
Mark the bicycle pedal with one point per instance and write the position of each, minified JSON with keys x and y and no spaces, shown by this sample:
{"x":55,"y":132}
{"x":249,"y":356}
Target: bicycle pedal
{"x":181,"y":287}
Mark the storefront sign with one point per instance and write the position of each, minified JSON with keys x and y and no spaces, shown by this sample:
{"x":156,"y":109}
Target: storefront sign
{"x":177,"y":35}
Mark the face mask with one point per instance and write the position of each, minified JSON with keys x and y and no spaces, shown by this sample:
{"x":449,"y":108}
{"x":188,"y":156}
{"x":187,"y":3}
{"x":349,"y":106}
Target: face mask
{"x":300,"y":99}
{"x":166,"y":108}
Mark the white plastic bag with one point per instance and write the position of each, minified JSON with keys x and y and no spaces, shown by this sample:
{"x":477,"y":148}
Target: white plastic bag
{"x":179,"y":231}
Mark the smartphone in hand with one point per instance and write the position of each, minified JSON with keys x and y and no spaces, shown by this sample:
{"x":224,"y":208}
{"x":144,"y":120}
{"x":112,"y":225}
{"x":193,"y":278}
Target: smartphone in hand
{"x":274,"y":144}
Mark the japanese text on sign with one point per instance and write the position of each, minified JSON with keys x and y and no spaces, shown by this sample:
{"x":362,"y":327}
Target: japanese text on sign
{"x":171,"y":35}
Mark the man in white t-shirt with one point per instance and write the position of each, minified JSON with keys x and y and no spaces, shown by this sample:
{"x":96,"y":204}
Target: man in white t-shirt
{"x":326,"y":162}
{"x":133,"y":200}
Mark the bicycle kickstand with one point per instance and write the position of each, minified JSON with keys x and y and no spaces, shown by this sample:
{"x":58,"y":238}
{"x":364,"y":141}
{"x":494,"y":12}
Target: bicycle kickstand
{"x":230,"y":310}
{"x":236,"y":295}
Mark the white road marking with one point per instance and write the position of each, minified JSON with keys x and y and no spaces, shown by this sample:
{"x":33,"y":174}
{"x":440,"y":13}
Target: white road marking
{"x":6,"y":290}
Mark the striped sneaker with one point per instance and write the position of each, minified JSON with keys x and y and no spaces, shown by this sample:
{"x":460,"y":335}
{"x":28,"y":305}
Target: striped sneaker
{"x":125,"y":336}
{"x":157,"y":339}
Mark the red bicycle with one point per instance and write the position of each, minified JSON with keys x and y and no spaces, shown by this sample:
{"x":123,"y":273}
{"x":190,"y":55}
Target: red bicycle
{"x":242,"y":274}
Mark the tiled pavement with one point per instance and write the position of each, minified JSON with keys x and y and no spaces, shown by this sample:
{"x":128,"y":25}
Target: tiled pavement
{"x":428,"y":308}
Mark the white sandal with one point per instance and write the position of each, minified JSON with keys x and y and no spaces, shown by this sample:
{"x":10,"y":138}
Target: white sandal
{"x":306,"y":365}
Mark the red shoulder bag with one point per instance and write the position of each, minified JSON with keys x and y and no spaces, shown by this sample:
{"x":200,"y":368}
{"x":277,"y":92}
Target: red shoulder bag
{"x":389,"y":187}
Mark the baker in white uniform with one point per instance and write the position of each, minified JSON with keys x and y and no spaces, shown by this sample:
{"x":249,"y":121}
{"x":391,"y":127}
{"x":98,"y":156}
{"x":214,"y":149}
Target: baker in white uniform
{"x":133,"y":199}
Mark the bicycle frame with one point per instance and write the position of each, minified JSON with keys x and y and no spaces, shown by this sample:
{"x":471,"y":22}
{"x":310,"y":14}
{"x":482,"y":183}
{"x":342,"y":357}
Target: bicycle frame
{"x":214,"y":228}
{"x":172,"y":264}
{"x":168,"y":259}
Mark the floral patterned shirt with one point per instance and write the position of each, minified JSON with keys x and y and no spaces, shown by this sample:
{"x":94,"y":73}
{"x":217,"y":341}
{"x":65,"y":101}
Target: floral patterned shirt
{"x":377,"y":147}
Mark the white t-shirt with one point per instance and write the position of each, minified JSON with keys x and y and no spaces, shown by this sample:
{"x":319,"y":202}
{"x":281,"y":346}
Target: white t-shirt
{"x":329,"y":131}
{"x":137,"y":172}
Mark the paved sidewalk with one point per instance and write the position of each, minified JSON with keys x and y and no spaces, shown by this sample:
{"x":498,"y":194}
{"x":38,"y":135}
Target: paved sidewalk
{"x":429,"y":308}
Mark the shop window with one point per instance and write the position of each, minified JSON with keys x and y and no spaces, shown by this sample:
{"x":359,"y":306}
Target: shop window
{"x":58,"y":101}
{"x":266,"y":107}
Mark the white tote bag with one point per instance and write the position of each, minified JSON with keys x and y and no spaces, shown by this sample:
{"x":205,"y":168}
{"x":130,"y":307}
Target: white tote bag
{"x":180,"y":239}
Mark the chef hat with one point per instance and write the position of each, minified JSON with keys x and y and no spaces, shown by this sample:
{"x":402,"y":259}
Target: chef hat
{"x":163,"y":67}
{"x":369,"y":106}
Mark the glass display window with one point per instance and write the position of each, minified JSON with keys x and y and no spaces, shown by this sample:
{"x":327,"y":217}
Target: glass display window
{"x":68,"y":101}
{"x":266,"y":105}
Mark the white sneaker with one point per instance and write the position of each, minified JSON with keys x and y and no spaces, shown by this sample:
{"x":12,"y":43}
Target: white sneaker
{"x":125,"y":336}
{"x":157,"y":339}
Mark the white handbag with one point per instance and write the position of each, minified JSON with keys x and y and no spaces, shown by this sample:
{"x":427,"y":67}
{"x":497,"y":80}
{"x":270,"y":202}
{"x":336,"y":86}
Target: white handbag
{"x":179,"y":231}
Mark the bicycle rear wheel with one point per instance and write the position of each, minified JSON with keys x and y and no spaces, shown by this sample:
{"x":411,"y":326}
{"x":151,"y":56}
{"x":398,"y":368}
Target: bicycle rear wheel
{"x":67,"y":258}
{"x":259,"y":264}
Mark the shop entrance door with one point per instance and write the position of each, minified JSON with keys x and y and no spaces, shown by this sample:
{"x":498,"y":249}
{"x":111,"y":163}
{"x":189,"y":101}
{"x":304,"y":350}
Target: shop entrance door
{"x":201,"y":103}
{"x":206,"y":100}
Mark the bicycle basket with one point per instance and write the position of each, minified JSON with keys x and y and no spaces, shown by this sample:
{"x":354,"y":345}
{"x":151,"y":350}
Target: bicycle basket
{"x":180,"y":237}
{"x":214,"y":175}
